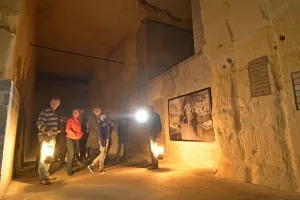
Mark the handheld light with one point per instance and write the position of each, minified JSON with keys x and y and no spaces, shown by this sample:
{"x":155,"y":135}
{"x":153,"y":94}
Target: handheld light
{"x":141,"y":115}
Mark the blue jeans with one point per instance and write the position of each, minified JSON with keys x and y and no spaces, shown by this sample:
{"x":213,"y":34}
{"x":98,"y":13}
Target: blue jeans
{"x":153,"y":142}
{"x":43,"y":168}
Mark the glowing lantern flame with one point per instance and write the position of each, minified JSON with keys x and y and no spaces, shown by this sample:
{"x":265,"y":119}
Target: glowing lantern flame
{"x":157,"y":150}
{"x":47,"y":150}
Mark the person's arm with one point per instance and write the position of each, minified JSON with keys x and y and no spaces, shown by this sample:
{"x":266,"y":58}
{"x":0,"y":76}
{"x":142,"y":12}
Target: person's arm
{"x":100,"y":135}
{"x":159,"y":126}
{"x":69,"y":129}
{"x":41,"y":124}
{"x":88,"y":124}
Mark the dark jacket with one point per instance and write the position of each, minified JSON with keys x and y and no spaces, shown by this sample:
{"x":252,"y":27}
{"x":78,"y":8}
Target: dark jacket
{"x":123,"y":132}
{"x":153,"y":125}
{"x":104,"y":134}
{"x":93,"y":129}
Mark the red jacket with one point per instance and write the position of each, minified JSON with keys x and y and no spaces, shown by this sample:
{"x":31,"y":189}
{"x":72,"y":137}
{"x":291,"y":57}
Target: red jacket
{"x":73,"y":129}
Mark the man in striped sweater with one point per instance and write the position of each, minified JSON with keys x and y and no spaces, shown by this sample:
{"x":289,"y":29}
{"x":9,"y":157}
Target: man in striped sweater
{"x":48,"y":129}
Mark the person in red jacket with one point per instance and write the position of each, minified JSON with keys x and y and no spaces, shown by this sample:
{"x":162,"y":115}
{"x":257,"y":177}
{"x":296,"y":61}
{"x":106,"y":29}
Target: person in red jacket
{"x":74,"y":133}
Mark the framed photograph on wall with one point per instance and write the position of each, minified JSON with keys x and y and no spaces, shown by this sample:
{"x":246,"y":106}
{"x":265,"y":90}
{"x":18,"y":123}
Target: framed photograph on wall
{"x":190,"y":117}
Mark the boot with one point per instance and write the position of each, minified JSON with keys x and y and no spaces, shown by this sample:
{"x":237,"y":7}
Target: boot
{"x":153,"y":166}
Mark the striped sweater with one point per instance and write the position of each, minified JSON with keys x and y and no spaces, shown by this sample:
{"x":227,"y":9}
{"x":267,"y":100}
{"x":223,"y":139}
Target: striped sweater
{"x":48,"y":120}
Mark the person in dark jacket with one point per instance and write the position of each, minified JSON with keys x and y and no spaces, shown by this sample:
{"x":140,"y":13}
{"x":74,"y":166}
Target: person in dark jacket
{"x":93,"y":127}
{"x":153,"y":129}
{"x":60,"y":147}
{"x":103,"y":138}
{"x":111,"y":128}
{"x":74,"y":133}
{"x":122,"y":139}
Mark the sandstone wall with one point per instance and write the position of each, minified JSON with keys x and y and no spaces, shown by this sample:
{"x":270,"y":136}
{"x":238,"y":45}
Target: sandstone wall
{"x":9,"y":112}
{"x":73,"y":95}
{"x":114,"y":88}
{"x":161,"y":47}
{"x":17,"y":59}
{"x":191,"y":75}
{"x":259,"y":136}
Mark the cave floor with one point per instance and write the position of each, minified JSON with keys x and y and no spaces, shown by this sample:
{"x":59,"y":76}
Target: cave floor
{"x":133,"y":181}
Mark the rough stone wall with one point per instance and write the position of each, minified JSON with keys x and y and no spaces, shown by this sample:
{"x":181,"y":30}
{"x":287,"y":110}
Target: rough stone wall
{"x":191,"y":75}
{"x":10,"y":11}
{"x":17,"y":59}
{"x":198,"y":32}
{"x":114,"y":85}
{"x":164,"y":47}
{"x":114,"y":88}
{"x":259,"y":136}
{"x":73,"y":95}
{"x":9,"y":112}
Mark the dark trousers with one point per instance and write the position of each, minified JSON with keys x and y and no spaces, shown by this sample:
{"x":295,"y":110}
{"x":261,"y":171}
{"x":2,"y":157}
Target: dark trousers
{"x":72,"y":146}
{"x":122,"y":142}
{"x":152,"y":143}
{"x":88,"y":152}
{"x":76,"y":153}
{"x":82,"y":147}
{"x":60,"y":148}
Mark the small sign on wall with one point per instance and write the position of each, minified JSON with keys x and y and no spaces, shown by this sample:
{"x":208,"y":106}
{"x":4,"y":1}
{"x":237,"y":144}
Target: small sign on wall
{"x":296,"y":86}
{"x":259,"y":77}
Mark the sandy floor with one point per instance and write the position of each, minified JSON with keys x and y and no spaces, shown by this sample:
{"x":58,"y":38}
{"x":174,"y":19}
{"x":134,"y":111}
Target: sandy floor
{"x":129,"y":181}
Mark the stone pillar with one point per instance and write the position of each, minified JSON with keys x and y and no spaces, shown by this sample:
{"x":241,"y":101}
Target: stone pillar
{"x":9,"y":108}
{"x":198,"y":31}
{"x":9,"y":18}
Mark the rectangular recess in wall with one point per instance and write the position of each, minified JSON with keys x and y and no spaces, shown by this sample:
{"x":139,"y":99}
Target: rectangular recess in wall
{"x":259,"y":77}
{"x":296,"y":86}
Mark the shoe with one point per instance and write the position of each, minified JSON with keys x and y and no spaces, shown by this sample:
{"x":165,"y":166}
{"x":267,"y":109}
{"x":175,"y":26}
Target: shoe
{"x":153,"y":167}
{"x":51,"y":178}
{"x":117,"y":160}
{"x":70,"y":174}
{"x":91,"y":168}
{"x":102,"y":171}
{"x":45,"y":182}
{"x":63,"y":163}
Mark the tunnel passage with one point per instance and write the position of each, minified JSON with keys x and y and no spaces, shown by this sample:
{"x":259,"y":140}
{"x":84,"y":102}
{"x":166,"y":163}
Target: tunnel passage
{"x":124,"y":55}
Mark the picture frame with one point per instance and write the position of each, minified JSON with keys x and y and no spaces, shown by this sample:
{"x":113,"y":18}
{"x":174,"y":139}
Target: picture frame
{"x":190,"y":117}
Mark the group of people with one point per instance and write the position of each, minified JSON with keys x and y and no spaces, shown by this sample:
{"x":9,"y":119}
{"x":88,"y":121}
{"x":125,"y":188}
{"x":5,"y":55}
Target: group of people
{"x":86,"y":138}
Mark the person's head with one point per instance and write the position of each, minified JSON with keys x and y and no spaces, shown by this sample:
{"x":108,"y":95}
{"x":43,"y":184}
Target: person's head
{"x":81,"y":111}
{"x":103,"y":117}
{"x":55,"y":102}
{"x":97,"y":111}
{"x":76,"y":113}
{"x":150,"y":109}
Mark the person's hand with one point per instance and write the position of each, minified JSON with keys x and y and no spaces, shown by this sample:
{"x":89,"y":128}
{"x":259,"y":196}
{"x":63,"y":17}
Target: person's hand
{"x":59,"y":131}
{"x":50,"y":133}
{"x":158,"y":135}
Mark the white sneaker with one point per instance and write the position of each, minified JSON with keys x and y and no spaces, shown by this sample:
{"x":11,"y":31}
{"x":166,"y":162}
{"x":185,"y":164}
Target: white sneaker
{"x":91,"y":168}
